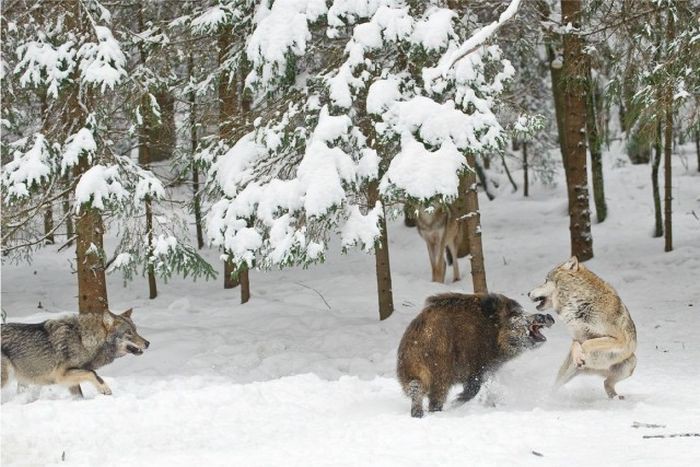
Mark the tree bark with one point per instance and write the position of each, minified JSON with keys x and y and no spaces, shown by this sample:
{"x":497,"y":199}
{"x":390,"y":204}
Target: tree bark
{"x":147,"y":129}
{"x":246,"y":101}
{"x":558,"y":94}
{"x":195,"y":169}
{"x":668,"y":109}
{"x":575,"y":145}
{"x":70,"y":231}
{"x":658,"y":154}
{"x":460,"y":210}
{"x":508,"y":174}
{"x":526,"y":179}
{"x":92,"y":284}
{"x":595,"y":144}
{"x":474,"y":229}
{"x":385,"y":296}
{"x":227,"y":110}
{"x":697,"y":143}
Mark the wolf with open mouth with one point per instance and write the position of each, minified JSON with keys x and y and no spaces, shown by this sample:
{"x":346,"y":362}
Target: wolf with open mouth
{"x":67,"y":351}
{"x":604,"y":335}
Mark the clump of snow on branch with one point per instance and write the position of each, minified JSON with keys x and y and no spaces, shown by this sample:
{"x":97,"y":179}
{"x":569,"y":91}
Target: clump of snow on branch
{"x":98,"y":186}
{"x":31,"y":165}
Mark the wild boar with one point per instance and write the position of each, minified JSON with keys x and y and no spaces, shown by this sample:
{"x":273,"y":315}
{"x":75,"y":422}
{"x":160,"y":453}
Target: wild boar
{"x":460,"y":339}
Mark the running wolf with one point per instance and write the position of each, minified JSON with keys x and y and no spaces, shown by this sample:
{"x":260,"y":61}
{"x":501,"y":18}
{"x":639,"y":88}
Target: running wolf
{"x":604,"y":335}
{"x":67,"y":351}
{"x":441,"y":231}
{"x":460,"y":339}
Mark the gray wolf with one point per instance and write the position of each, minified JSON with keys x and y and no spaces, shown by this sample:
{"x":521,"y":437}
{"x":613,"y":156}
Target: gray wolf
{"x":442,"y":232}
{"x":461,"y":339}
{"x":604,"y":335}
{"x":67,"y":351}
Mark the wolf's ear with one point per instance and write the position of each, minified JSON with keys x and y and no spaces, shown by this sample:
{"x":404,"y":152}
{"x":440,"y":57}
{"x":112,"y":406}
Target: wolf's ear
{"x":572,"y":264}
{"x":107,"y":319}
{"x":127,"y":313}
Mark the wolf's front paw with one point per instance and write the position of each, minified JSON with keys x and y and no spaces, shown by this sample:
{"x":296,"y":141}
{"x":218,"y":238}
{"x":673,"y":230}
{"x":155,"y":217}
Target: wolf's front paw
{"x":577,"y":354}
{"x":106,"y":390}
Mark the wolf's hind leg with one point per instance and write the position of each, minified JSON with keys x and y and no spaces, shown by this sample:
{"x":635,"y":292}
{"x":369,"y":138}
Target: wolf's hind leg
{"x":451,"y":250}
{"x":602,"y":352}
{"x":76,"y":391}
{"x":75,"y":376}
{"x":567,"y":371}
{"x":618,"y":372}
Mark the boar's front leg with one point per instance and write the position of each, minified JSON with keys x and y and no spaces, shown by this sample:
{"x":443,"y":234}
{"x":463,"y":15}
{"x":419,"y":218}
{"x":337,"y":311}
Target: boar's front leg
{"x":471,"y":389}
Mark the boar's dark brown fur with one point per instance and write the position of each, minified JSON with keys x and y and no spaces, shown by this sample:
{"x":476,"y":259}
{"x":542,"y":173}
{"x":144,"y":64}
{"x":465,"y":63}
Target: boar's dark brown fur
{"x":459,"y":339}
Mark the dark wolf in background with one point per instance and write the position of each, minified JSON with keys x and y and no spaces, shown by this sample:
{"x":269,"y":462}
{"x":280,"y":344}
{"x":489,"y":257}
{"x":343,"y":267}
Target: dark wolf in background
{"x":460,"y":339}
{"x":67,"y":351}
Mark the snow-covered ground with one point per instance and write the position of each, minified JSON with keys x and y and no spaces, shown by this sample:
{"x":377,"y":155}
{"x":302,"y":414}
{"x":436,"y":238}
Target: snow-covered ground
{"x":304,"y":373}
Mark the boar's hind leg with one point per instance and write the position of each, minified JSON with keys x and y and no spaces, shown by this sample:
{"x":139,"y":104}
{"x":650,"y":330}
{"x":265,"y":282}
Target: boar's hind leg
{"x":437,"y":396}
{"x":471,"y":389}
{"x":416,"y":393}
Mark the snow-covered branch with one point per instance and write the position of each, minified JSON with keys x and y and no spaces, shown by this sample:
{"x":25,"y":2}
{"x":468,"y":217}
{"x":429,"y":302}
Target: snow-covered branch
{"x":470,"y":45}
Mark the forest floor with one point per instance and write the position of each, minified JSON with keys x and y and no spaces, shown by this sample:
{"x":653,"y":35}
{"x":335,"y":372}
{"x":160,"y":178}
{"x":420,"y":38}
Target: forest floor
{"x":304,"y":373}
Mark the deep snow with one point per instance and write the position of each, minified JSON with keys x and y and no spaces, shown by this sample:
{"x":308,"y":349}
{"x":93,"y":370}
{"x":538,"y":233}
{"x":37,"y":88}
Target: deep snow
{"x":284,"y":380}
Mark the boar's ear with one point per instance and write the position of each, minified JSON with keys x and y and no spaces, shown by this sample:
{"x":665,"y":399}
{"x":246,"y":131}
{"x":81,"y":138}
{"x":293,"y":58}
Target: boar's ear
{"x":107,"y":319}
{"x":572,"y":264}
{"x":127,"y":313}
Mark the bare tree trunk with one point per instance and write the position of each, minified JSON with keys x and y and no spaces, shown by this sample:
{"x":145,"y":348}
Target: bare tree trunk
{"x":246,"y":103}
{"x":48,"y":211}
{"x":145,"y":143}
{"x":474,"y":230}
{"x":227,"y":110}
{"x":697,"y":143}
{"x":668,"y":148}
{"x":558,"y":94}
{"x":484,"y":181}
{"x":152,"y":288}
{"x":656,"y":162}
{"x":575,"y":144}
{"x":48,"y":224}
{"x":385,"y":296}
{"x":460,"y":210}
{"x":526,"y":180}
{"x":92,"y":285}
{"x":70,"y":231}
{"x":595,"y":144}
{"x":508,"y":174}
{"x":195,"y":169}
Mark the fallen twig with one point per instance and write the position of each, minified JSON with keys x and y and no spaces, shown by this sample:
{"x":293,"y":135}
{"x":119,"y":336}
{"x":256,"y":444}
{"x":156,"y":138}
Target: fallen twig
{"x":646,"y":425}
{"x":674,"y":435}
{"x":319,"y":293}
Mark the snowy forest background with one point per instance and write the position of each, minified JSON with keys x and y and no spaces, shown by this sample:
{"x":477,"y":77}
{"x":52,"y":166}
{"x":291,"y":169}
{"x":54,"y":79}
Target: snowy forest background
{"x":245,"y":174}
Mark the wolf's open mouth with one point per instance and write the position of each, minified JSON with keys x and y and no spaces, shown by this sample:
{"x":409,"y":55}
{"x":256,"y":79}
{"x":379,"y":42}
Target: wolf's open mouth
{"x":536,"y":334}
{"x":541,"y":302}
{"x":133,"y":349}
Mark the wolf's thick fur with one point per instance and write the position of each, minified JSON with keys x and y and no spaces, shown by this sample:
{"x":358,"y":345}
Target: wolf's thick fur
{"x":604,"y":335}
{"x":459,"y":339}
{"x":441,"y":231}
{"x":67,"y":351}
